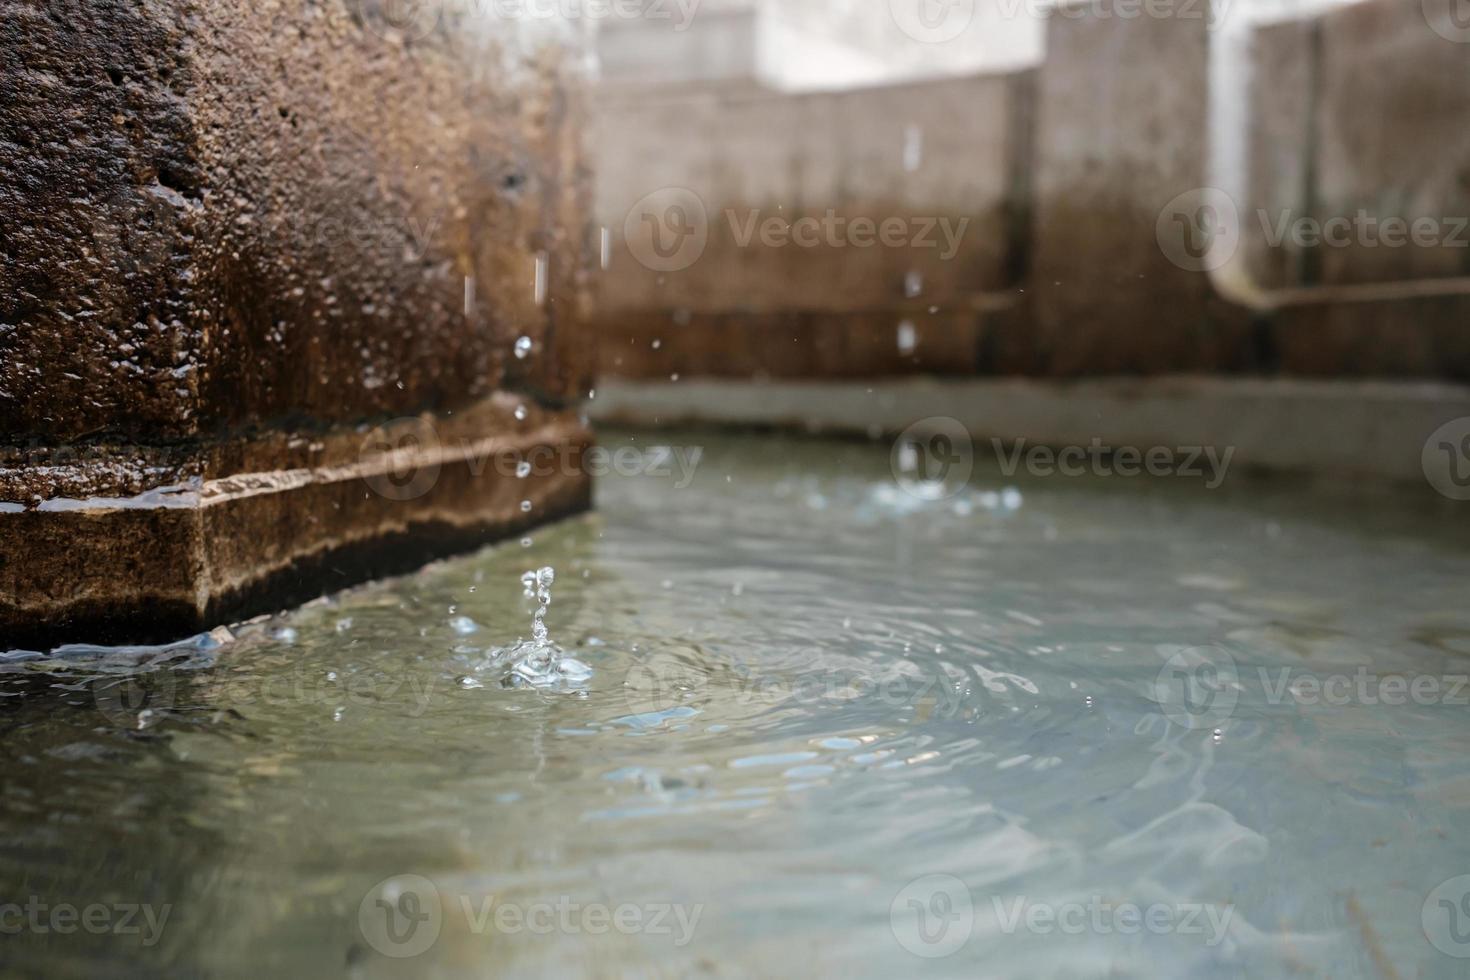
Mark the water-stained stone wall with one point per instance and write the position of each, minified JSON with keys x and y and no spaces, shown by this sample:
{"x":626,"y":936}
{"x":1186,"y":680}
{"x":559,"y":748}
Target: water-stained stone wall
{"x":237,"y":239}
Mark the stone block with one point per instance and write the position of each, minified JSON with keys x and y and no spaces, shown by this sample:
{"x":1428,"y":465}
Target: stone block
{"x":1122,"y":114}
{"x":1391,"y":138}
{"x":237,"y":237}
{"x":882,"y":204}
{"x":1280,"y":151}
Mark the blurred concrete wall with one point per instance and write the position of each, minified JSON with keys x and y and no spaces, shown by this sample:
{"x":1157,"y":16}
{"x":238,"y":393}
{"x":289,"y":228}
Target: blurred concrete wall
{"x":1141,"y":202}
{"x":806,"y":45}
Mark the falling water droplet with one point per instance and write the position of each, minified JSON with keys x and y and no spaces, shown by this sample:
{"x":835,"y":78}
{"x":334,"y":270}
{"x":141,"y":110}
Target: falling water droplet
{"x":523,"y":347}
{"x":657,"y":344}
{"x":539,"y":662}
{"x":543,"y":270}
{"x":525,"y":507}
{"x":913,"y":283}
{"x":913,"y":148}
{"x":523,"y":470}
{"x":908,"y":339}
{"x":521,"y":413}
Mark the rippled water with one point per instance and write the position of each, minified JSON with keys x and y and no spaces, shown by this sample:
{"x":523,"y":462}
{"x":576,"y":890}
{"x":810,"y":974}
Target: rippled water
{"x":832,"y":729}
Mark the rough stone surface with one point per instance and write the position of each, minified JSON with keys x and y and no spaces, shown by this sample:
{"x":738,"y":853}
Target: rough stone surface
{"x":237,"y":236}
{"x":221,"y":215}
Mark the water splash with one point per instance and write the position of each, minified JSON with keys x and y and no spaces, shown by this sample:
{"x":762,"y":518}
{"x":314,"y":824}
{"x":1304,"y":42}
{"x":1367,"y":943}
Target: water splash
{"x":538,"y":662}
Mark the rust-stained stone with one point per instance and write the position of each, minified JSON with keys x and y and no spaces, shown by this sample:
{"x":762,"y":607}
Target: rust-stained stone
{"x":235,"y":232}
{"x":1281,"y":151}
{"x":219,"y":215}
{"x":233,"y":539}
{"x":1358,"y":113}
{"x":795,"y":345}
{"x":1392,"y":138}
{"x":1122,"y":113}
{"x":940,"y":156}
{"x":1392,"y":337}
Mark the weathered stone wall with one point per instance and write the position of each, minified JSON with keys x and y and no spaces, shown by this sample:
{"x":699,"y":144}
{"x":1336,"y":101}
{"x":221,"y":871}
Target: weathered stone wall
{"x":1356,"y":218}
{"x":1103,"y":245}
{"x":1122,"y":131}
{"x":825,"y":171}
{"x":236,"y":236}
{"x":1358,"y":115}
{"x":815,"y":45}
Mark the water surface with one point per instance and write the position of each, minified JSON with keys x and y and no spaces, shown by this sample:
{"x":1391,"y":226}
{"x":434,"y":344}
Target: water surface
{"x":832,"y":729}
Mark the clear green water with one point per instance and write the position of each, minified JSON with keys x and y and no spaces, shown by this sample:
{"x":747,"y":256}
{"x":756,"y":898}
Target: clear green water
{"x":832,"y":731}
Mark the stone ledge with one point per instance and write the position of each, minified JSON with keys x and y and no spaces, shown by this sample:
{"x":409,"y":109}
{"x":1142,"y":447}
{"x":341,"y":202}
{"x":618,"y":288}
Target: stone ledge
{"x":237,"y":237}
{"x":179,"y":559}
{"x":1347,"y":429}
